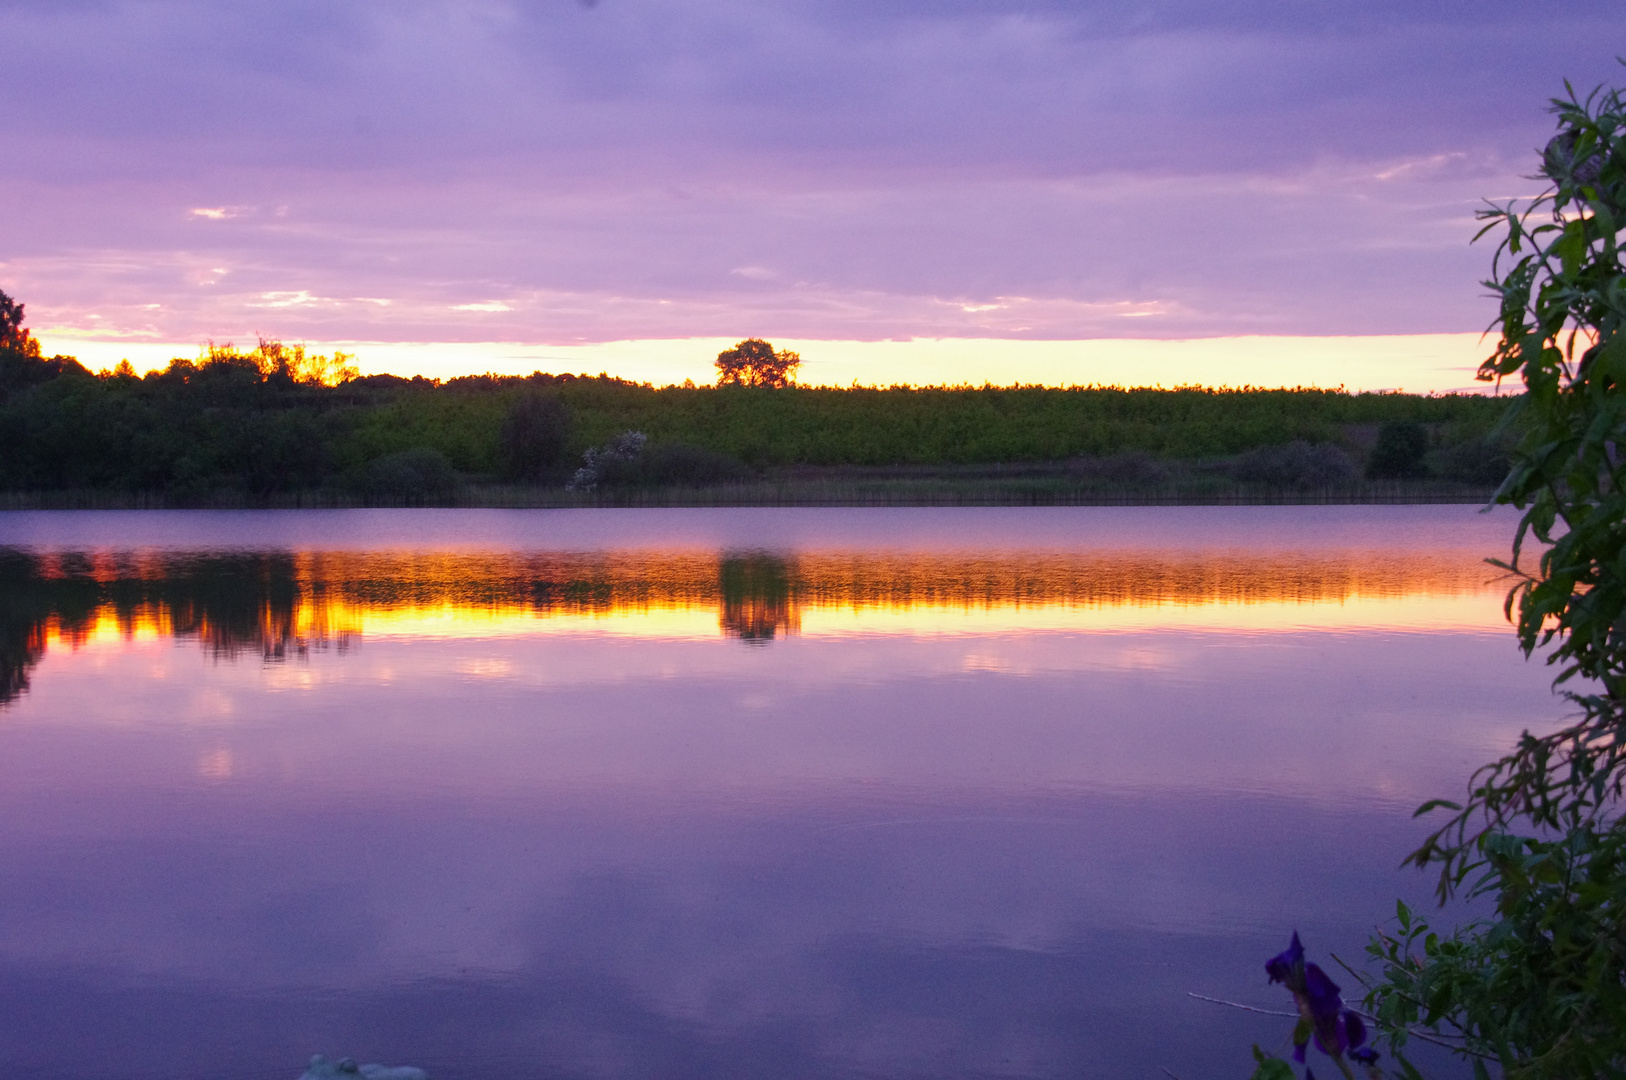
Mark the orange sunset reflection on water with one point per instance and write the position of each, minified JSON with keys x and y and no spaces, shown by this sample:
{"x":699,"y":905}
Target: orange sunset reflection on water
{"x":287,"y":603}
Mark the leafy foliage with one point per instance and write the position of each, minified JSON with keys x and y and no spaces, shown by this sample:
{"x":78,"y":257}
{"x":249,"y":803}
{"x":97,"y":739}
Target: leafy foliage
{"x":1561,"y":286}
{"x":1538,"y":988}
{"x":1541,"y":987}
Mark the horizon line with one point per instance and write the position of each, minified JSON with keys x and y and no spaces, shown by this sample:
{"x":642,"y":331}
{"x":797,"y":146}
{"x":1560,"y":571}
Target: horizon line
{"x":1435,"y":363}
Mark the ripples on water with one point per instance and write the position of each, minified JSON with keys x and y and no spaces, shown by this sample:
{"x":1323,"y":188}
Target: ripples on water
{"x":719,"y":793}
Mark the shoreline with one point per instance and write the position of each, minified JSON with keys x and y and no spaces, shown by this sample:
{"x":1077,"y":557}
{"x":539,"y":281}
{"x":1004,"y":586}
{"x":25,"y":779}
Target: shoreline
{"x":854,"y":491}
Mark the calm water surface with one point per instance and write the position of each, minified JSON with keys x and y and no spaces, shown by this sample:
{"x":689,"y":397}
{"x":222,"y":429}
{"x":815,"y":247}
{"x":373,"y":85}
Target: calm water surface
{"x":723,"y":793}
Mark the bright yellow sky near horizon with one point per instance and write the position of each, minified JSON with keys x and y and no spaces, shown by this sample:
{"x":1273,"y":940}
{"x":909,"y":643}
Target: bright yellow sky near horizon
{"x":1415,"y":363}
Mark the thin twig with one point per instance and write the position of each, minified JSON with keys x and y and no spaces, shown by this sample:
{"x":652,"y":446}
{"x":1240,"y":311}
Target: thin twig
{"x":1245,"y":1008}
{"x":1168,"y":1072}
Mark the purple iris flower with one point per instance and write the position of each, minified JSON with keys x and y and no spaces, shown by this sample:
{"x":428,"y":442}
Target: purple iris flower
{"x":1354,"y":1031}
{"x":1336,"y":1029}
{"x":1287,"y":966}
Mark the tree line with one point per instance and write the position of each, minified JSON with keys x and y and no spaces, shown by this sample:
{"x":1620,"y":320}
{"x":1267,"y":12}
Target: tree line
{"x":278,"y":418}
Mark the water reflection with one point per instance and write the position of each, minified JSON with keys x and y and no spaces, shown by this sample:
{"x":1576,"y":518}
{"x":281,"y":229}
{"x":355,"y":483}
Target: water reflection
{"x":277,"y":604}
{"x":258,"y":603}
{"x":758,"y":597}
{"x":691,"y":794}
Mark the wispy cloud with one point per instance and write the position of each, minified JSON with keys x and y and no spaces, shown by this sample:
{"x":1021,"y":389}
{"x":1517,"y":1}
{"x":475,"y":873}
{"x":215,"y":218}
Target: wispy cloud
{"x":217,"y":213}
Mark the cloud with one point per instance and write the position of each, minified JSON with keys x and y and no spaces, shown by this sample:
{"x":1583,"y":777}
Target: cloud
{"x":836,"y":169}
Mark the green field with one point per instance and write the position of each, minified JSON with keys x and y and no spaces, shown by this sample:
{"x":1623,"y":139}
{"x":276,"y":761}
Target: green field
{"x":904,"y":426}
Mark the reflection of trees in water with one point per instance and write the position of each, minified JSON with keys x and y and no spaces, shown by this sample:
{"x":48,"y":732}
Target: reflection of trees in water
{"x":243,"y":604}
{"x":21,"y":647}
{"x":22,"y":633}
{"x":281,"y":604}
{"x":758,"y":597}
{"x":231,"y":603}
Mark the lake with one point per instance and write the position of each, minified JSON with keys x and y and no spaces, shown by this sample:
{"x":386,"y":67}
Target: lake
{"x":719,"y":793}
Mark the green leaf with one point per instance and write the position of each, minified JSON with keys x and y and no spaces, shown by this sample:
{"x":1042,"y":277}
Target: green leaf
{"x":1273,"y":1069}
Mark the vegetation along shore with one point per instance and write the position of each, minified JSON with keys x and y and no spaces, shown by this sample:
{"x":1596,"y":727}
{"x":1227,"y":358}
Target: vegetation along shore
{"x":278,"y":426}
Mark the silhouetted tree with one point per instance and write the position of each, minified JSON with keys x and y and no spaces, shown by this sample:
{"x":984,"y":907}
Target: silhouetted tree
{"x":12,"y":335}
{"x":285,"y":364}
{"x":753,"y":362}
{"x":21,"y":364}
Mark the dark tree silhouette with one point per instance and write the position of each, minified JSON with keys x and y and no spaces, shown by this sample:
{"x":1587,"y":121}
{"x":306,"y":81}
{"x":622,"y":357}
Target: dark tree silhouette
{"x":753,"y":362}
{"x":12,"y":335}
{"x":21,"y":364}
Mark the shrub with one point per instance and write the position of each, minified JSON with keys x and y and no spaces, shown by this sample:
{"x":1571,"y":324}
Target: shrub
{"x":631,"y":460}
{"x":1297,"y":464}
{"x":616,"y":462}
{"x":1399,"y":452}
{"x":1481,"y":461}
{"x":682,"y":465}
{"x":412,"y":475}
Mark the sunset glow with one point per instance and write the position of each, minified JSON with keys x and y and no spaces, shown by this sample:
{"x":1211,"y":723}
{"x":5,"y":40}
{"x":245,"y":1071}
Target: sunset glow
{"x":341,"y":598}
{"x":924,"y":194}
{"x":1417,"y":363}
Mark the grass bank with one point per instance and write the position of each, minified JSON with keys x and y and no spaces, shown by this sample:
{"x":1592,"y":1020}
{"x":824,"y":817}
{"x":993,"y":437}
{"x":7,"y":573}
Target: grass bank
{"x":1014,"y":486}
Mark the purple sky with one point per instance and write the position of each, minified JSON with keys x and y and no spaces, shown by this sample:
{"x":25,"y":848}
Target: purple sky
{"x":552,"y":172}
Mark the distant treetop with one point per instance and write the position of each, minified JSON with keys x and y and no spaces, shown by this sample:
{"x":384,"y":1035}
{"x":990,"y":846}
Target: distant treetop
{"x":274,"y":358}
{"x":753,"y":362}
{"x":13,"y":338}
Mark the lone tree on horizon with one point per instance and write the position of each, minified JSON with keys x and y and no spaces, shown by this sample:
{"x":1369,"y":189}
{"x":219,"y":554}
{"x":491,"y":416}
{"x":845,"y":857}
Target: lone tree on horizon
{"x":753,"y":362}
